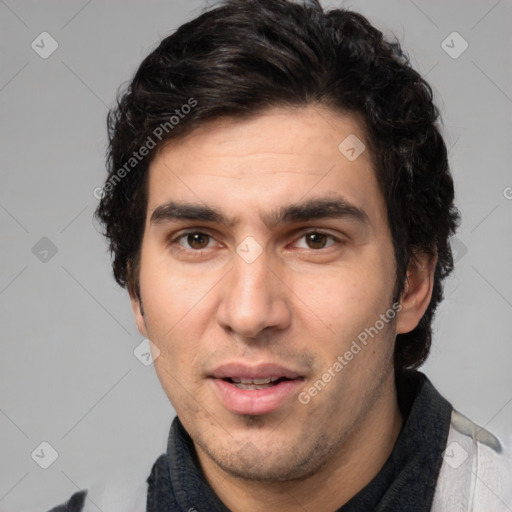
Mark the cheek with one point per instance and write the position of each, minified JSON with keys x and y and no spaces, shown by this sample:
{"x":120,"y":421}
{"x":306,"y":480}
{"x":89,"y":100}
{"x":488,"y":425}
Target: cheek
{"x":167,"y":295}
{"x":348,"y":299}
{"x":173,"y":305}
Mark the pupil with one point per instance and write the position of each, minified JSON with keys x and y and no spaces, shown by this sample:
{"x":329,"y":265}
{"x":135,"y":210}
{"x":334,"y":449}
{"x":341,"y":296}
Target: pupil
{"x":316,"y":239}
{"x":196,"y":239}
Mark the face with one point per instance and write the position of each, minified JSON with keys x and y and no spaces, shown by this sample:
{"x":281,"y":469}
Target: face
{"x":266,"y":261}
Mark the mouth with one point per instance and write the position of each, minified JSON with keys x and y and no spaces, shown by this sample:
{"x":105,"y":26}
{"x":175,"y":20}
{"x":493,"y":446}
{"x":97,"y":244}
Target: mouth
{"x":263,"y":383}
{"x":255,"y":390}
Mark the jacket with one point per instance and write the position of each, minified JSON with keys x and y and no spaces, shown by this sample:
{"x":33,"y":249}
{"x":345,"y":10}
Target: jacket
{"x":476,"y":473}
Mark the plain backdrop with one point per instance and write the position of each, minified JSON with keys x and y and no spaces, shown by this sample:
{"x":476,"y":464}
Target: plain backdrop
{"x":69,"y":375}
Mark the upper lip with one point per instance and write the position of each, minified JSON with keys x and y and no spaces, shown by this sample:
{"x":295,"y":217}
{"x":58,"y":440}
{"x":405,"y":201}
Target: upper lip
{"x":259,"y":371}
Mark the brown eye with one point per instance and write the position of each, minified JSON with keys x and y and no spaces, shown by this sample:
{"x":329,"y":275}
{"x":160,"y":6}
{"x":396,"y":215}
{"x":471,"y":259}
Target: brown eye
{"x":194,"y":240}
{"x":198,"y":240}
{"x":316,"y":240}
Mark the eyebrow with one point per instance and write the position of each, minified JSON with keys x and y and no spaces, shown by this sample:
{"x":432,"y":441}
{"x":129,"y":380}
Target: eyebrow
{"x":313,"y":209}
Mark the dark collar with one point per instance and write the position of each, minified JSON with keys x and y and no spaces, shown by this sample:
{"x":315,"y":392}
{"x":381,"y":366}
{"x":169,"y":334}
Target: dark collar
{"x":408,"y":479}
{"x":406,"y":482}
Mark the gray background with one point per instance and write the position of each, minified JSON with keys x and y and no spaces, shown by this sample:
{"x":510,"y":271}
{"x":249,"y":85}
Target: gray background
{"x":69,"y":374}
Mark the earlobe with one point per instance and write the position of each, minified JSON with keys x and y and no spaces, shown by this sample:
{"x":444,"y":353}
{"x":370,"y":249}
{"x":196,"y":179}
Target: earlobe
{"x":417,"y":291}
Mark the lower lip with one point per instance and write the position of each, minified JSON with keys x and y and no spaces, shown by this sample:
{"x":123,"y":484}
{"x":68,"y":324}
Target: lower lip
{"x":255,"y":401}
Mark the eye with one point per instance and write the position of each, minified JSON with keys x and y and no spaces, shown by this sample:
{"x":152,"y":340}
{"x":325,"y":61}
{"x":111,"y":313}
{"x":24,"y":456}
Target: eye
{"x":317,"y":240}
{"x":196,"y":240}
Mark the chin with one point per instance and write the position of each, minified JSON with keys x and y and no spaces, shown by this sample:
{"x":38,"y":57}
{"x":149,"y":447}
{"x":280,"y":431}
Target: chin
{"x":269,"y":461}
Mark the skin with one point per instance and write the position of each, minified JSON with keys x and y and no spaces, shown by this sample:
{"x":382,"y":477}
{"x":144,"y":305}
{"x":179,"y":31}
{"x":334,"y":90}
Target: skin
{"x":298,"y":304}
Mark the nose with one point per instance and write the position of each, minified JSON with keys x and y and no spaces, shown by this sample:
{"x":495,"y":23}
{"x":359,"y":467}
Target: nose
{"x":254,"y":299}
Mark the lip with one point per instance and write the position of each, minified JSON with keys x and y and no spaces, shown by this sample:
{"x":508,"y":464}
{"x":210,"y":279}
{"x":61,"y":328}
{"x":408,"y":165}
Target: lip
{"x":254,"y":401}
{"x":260,"y":371}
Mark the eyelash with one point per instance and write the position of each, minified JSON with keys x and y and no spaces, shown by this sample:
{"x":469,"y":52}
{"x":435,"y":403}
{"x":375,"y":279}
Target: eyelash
{"x":199,"y":251}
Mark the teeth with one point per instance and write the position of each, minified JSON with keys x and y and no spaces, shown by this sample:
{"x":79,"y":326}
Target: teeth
{"x":252,"y":386}
{"x":267,"y":380}
{"x":262,"y":381}
{"x":254,"y":383}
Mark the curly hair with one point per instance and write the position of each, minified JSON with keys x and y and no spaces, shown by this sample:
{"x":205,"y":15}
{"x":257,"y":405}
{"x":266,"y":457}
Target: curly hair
{"x":245,"y":56}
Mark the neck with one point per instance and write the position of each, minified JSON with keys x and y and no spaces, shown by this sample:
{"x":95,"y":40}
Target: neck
{"x":344,"y":474}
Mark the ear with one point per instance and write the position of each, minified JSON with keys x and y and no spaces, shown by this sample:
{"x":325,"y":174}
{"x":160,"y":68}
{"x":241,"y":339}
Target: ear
{"x":417,"y":291}
{"x":138,"y":313}
{"x":135,"y":298}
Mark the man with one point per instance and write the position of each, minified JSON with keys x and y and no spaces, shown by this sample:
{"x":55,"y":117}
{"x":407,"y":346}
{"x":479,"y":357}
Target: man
{"x":279,"y":207}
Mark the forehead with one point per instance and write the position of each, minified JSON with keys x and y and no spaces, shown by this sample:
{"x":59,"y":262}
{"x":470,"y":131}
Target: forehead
{"x":277,"y":158}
